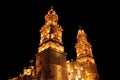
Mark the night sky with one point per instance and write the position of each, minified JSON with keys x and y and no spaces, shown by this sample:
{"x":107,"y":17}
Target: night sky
{"x":21,"y":33}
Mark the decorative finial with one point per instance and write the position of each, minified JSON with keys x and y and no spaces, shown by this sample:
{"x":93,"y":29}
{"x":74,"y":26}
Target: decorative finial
{"x":51,"y":7}
{"x":80,"y":26}
{"x":31,"y":61}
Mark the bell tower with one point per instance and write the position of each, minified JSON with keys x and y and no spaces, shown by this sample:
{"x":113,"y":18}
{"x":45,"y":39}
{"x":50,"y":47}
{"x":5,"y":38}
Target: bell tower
{"x":51,"y":58}
{"x":88,"y":68}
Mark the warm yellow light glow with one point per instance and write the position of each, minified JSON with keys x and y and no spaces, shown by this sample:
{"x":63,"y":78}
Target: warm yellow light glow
{"x":67,"y":61}
{"x":27,"y":71}
{"x":82,"y":79}
{"x":83,"y":47}
{"x":53,"y":45}
{"x":83,"y":68}
{"x":76,"y":78}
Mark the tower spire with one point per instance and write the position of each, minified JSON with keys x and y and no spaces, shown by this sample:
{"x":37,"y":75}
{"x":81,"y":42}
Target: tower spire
{"x":51,"y":58}
{"x":83,"y":47}
{"x":51,"y":7}
{"x":51,"y":32}
{"x":85,"y":56}
{"x":80,"y":27}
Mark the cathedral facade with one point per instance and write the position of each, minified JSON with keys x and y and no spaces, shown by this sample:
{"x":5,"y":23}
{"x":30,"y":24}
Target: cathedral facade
{"x":51,"y":63}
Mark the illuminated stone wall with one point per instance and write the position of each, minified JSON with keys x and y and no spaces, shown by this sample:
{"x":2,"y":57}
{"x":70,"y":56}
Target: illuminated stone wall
{"x":51,"y":58}
{"x":84,"y":67}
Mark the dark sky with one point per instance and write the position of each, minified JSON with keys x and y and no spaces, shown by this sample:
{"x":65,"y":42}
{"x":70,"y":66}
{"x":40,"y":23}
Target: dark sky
{"x":21,"y":32}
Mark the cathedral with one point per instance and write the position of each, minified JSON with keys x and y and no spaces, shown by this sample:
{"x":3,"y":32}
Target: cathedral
{"x":51,"y":62}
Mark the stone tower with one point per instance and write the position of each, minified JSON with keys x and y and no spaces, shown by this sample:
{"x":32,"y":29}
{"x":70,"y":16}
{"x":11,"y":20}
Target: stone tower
{"x":51,"y":58}
{"x":85,"y":59}
{"x":84,"y":67}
